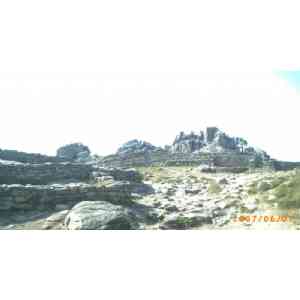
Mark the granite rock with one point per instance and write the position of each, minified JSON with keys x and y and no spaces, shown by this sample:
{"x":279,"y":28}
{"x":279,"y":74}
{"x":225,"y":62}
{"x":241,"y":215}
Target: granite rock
{"x":72,"y":152}
{"x":136,"y":146}
{"x":100,"y":215}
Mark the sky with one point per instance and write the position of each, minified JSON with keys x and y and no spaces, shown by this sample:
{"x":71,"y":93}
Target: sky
{"x":43,"y":111}
{"x":107,"y":72}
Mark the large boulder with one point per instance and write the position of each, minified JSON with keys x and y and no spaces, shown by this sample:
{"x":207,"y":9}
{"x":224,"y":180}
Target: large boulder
{"x":92,"y":215}
{"x":136,"y":146}
{"x":74,"y":152}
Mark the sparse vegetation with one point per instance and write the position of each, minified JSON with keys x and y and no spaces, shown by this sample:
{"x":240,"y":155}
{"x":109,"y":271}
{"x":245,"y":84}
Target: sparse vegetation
{"x":253,"y":188}
{"x":277,"y":181}
{"x":214,"y":187}
{"x":263,"y":186}
{"x":164,"y":174}
{"x":287,"y":194}
{"x":184,"y":222}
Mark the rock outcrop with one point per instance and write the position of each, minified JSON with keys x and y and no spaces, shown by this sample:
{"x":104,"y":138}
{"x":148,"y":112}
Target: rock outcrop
{"x":74,"y":152}
{"x":212,"y":140}
{"x":188,"y":143}
{"x":100,"y":215}
{"x":136,"y":146}
{"x":210,"y":148}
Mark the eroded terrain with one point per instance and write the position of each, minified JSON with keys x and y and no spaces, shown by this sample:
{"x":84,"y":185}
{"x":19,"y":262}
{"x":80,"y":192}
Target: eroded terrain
{"x":182,"y":198}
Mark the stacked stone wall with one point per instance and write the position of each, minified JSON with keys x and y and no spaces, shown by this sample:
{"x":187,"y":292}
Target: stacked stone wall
{"x":11,"y":173}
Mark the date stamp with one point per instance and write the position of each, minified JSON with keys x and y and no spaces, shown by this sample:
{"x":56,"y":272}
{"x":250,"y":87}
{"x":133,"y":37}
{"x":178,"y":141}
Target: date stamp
{"x":261,"y":218}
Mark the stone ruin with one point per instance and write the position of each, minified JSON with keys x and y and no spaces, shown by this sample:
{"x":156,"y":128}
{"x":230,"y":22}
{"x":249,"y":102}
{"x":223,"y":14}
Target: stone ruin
{"x":212,"y":140}
{"x":211,"y":147}
{"x":41,"y":184}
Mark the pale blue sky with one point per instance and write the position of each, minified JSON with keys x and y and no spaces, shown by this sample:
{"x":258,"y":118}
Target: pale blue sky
{"x":293,"y":77}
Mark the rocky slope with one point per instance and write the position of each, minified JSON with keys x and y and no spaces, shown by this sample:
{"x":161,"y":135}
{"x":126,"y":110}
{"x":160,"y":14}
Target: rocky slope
{"x":205,"y":180}
{"x":182,"y":198}
{"x":30,"y":191}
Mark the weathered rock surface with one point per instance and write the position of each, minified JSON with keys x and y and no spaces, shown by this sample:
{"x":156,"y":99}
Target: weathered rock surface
{"x":74,"y":152}
{"x":213,"y":148}
{"x":118,"y":174}
{"x":186,"y":222}
{"x":60,"y":186}
{"x":182,"y":198}
{"x":213,"y":140}
{"x":188,"y":143}
{"x":56,"y":220}
{"x":77,"y":191}
{"x":100,"y":215}
{"x":40,"y":197}
{"x":33,"y":158}
{"x":11,"y":172}
{"x":136,"y":146}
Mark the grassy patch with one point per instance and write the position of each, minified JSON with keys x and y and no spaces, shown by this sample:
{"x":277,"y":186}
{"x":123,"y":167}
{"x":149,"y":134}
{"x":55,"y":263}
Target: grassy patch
{"x":214,"y":187}
{"x":277,"y":181}
{"x":184,"y":222}
{"x":287,"y":192}
{"x":272,"y":183}
{"x":172,"y":175}
{"x":253,"y":188}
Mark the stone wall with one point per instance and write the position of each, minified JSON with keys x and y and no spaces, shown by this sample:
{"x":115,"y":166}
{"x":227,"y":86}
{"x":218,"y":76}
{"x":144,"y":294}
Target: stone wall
{"x":24,"y":157}
{"x":40,"y":197}
{"x":165,"y":158}
{"x":119,"y":174}
{"x":285,"y":165}
{"x":11,"y":173}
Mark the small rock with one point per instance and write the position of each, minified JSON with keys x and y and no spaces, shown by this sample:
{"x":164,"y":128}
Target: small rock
{"x":223,"y":181}
{"x":172,"y":208}
{"x":193,"y":191}
{"x":250,"y":207}
{"x":186,"y":222}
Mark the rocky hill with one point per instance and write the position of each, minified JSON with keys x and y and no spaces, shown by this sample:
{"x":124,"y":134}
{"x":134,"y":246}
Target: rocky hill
{"x":200,"y":181}
{"x":213,"y":140}
{"x":211,"y":147}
